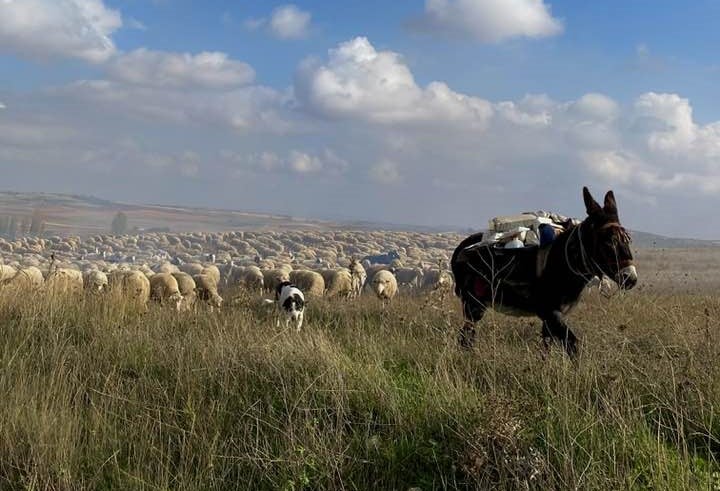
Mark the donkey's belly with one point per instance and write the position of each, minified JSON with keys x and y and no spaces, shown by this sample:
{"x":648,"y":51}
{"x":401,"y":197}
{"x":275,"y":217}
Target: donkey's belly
{"x":513,"y":311}
{"x":515,"y":301}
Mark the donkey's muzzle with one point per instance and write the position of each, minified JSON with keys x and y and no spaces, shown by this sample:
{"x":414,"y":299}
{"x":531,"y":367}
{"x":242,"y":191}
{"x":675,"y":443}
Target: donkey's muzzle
{"x":627,"y":277}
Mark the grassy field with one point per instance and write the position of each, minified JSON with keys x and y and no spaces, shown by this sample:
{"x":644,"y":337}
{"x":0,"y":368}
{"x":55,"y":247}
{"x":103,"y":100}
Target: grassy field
{"x":94,"y":396}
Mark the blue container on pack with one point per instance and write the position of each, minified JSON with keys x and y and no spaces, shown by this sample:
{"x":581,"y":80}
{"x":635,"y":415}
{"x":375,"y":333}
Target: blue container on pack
{"x":547,"y":234}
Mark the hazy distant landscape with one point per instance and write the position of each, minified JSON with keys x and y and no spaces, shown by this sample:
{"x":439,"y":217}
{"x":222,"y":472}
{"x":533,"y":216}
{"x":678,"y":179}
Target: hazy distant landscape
{"x":66,"y":214}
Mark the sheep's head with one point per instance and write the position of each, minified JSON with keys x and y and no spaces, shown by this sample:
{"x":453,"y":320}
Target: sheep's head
{"x":176,"y":299}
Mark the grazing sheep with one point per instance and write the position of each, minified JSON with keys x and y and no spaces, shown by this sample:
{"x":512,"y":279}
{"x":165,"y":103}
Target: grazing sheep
{"x":6,"y":272}
{"x":63,"y":281}
{"x":134,"y":287}
{"x":327,"y":275}
{"x":435,"y":279}
{"x":186,"y":285}
{"x":252,"y":278}
{"x":310,"y":282}
{"x":206,"y":288}
{"x":25,"y":279}
{"x":273,"y":277}
{"x":164,"y":289}
{"x":409,"y":277}
{"x":191,"y":268}
{"x":340,"y":284}
{"x":374,"y":268}
{"x":95,"y":281}
{"x":384,"y":285}
{"x":359,"y":277}
{"x":168,"y":268}
{"x":383,"y":258}
{"x":213,"y":272}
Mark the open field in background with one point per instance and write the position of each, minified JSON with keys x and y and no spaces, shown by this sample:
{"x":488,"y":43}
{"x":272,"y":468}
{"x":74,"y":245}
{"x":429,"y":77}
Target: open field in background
{"x":66,"y":214}
{"x":98,"y":397}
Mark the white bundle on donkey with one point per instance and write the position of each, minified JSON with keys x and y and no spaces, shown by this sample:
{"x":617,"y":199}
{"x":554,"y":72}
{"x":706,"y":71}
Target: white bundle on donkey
{"x":526,"y":229}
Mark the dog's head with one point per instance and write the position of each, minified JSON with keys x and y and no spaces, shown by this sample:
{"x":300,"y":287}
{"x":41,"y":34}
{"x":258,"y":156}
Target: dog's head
{"x":280,"y":287}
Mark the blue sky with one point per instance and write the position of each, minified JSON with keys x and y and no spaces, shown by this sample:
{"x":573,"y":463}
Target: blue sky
{"x":435,"y":112}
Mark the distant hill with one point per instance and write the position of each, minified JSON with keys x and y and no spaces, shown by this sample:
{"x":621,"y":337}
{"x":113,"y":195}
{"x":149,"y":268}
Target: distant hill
{"x":66,"y":214}
{"x":647,"y":240}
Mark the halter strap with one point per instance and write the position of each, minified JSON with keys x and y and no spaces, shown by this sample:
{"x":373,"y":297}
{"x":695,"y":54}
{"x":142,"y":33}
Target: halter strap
{"x":610,"y":225}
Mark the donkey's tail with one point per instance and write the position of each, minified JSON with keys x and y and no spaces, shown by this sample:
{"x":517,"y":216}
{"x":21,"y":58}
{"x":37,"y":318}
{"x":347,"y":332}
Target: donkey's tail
{"x":457,"y":270}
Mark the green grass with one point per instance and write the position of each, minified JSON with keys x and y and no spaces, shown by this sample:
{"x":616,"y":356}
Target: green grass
{"x":96,"y":396}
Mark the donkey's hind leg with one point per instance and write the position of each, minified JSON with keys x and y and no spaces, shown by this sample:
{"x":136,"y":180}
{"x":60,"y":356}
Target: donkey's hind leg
{"x":473,"y":313}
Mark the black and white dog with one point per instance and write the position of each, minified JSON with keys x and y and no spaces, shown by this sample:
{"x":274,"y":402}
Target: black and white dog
{"x":291,"y":303}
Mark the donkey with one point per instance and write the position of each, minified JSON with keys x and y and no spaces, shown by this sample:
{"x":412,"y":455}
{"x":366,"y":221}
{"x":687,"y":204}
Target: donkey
{"x":543,"y":281}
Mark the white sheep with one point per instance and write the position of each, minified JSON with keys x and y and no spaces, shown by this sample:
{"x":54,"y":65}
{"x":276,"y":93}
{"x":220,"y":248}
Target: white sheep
{"x":206,"y":288}
{"x":64,"y":281}
{"x":186,"y":285}
{"x":164,"y":289}
{"x":359,"y":277}
{"x":384,"y":285}
{"x":339,"y":284}
{"x":95,"y":281}
{"x":309,"y":282}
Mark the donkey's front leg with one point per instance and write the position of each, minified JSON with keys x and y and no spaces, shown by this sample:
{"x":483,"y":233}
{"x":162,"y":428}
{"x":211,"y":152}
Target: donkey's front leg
{"x":554,"y":325}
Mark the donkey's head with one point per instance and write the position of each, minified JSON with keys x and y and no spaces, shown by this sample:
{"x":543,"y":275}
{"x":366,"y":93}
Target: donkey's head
{"x":609,"y":244}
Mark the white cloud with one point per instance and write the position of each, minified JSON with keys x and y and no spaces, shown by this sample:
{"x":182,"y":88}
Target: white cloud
{"x":2,"y":106}
{"x":58,"y":28}
{"x":253,"y":24}
{"x":595,"y":107}
{"x":490,"y":21}
{"x":134,"y":23}
{"x":532,"y":110}
{"x":32,"y":133}
{"x":304,"y":163}
{"x":249,"y":108}
{"x":668,"y":118}
{"x":212,"y":70}
{"x":385,"y":172}
{"x":326,"y":162}
{"x":358,"y":82}
{"x":289,"y":22}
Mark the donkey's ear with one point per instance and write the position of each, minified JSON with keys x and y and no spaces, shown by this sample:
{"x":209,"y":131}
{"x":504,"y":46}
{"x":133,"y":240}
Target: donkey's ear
{"x":610,"y":204}
{"x":591,"y":206}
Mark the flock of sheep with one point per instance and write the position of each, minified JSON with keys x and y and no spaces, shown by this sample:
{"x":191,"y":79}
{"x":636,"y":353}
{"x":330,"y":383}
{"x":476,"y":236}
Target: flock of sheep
{"x":189,"y":269}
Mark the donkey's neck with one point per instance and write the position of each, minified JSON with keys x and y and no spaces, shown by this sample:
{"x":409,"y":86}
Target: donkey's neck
{"x":568,"y":259}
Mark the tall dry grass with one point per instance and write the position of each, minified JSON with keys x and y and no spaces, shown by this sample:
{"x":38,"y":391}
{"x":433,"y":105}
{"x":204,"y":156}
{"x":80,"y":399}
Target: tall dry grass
{"x":94,"y":395}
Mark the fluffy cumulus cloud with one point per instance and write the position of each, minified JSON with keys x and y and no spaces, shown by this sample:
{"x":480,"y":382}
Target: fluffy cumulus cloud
{"x":661,"y":148}
{"x":289,"y":22}
{"x":490,"y":21}
{"x":359,"y":82}
{"x":212,"y":70}
{"x":298,"y":162}
{"x":58,"y":28}
{"x":208,"y":88}
{"x":252,"y":108}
